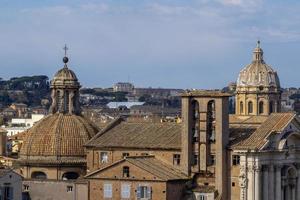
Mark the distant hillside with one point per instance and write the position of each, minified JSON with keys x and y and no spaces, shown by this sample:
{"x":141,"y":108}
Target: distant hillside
{"x":26,"y":89}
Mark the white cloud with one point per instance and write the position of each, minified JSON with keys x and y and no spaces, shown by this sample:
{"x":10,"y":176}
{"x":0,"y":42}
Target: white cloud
{"x":93,"y":7}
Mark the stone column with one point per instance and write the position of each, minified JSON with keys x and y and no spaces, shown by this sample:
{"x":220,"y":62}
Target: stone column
{"x":250,"y":188}
{"x":243,"y":182}
{"x":265,"y":182}
{"x":278,"y":183}
{"x":271,"y":182}
{"x":257,"y":184}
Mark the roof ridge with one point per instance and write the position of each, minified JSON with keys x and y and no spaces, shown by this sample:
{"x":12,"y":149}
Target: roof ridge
{"x":109,"y":126}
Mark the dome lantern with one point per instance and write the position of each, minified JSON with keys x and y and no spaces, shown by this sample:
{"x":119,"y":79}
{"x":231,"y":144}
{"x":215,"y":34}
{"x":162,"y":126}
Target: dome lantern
{"x":258,"y":53}
{"x":65,"y":90}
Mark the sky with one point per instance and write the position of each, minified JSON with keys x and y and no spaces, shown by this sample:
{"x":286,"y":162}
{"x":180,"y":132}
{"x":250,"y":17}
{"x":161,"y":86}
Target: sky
{"x":199,"y":44}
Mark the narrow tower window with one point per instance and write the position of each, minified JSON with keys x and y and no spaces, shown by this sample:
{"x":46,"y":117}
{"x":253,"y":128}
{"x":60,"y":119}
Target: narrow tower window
{"x":271,"y":107}
{"x":261,"y":107}
{"x":241,"y":107}
{"x":250,"y":107}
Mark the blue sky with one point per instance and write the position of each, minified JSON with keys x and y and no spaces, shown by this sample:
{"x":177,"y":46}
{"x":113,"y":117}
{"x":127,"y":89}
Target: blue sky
{"x":171,"y":43}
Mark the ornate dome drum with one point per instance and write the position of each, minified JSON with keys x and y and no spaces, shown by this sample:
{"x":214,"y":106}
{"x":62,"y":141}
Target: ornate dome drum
{"x":54,"y":147}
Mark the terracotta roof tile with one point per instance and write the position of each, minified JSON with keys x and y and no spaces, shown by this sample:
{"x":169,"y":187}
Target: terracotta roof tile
{"x":276,"y":122}
{"x":154,"y":166}
{"x":58,"y":135}
{"x":141,"y":135}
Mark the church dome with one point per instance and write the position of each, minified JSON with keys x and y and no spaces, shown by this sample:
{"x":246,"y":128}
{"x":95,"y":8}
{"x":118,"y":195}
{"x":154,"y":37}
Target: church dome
{"x":258,"y":73}
{"x":57,"y":138}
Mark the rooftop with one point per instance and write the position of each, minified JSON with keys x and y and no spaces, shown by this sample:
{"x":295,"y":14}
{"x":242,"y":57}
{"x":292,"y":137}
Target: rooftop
{"x":138,"y":135}
{"x":152,"y":165}
{"x":205,"y":93}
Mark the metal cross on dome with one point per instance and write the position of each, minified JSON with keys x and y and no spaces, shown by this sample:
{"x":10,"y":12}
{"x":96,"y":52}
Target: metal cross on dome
{"x":66,"y":49}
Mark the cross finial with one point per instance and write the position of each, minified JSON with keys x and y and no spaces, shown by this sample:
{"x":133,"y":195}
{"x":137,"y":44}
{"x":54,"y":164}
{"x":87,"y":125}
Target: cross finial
{"x":66,"y":49}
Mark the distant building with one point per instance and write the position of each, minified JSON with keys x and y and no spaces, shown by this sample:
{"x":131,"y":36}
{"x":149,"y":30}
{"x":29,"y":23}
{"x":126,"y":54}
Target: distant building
{"x":123,"y":87}
{"x":128,"y":105}
{"x":20,"y":108}
{"x":157,"y":92}
{"x":18,"y":125}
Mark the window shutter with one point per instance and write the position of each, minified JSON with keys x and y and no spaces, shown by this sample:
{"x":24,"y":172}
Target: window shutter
{"x":149,"y":192}
{"x":125,"y":191}
{"x":107,"y":191}
{"x":138,"y":192}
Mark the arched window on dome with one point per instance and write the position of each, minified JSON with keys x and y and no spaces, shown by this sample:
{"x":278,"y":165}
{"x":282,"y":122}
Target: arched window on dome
{"x":261,"y":107}
{"x":241,"y":107}
{"x":70,"y":176}
{"x":39,"y":175}
{"x":250,"y":107}
{"x":271,"y":107}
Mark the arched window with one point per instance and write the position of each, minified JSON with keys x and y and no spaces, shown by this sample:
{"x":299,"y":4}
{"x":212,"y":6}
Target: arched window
{"x":261,"y":107}
{"x":271,"y":109}
{"x":70,"y":176}
{"x":38,"y":175}
{"x":250,"y":107}
{"x":126,"y":171}
{"x":211,"y":115}
{"x":241,"y":107}
{"x":195,"y":129}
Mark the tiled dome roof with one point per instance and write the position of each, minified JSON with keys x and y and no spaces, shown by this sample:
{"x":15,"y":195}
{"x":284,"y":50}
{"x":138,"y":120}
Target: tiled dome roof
{"x":65,"y":76}
{"x":258,"y":73}
{"x":58,"y":137}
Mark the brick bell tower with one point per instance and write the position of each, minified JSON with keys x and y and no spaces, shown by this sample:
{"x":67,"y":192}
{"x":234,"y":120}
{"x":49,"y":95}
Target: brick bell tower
{"x":205,"y":137}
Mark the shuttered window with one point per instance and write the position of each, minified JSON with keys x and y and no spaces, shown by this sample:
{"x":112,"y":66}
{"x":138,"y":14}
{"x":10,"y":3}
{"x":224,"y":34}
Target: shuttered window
{"x":125,"y":191}
{"x":107,"y":190}
{"x":144,"y":192}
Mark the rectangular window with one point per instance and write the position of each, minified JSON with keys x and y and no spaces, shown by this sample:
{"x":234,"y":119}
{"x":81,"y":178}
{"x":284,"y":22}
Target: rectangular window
{"x":107,"y":190}
{"x":235,"y":160}
{"x":125,"y":191}
{"x":203,"y":197}
{"x":212,"y":159}
{"x":69,"y":188}
{"x":196,"y":159}
{"x":144,"y":192}
{"x":125,"y":155}
{"x":126,"y":171}
{"x":176,"y":159}
{"x":8,"y":193}
{"x":103,"y":157}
